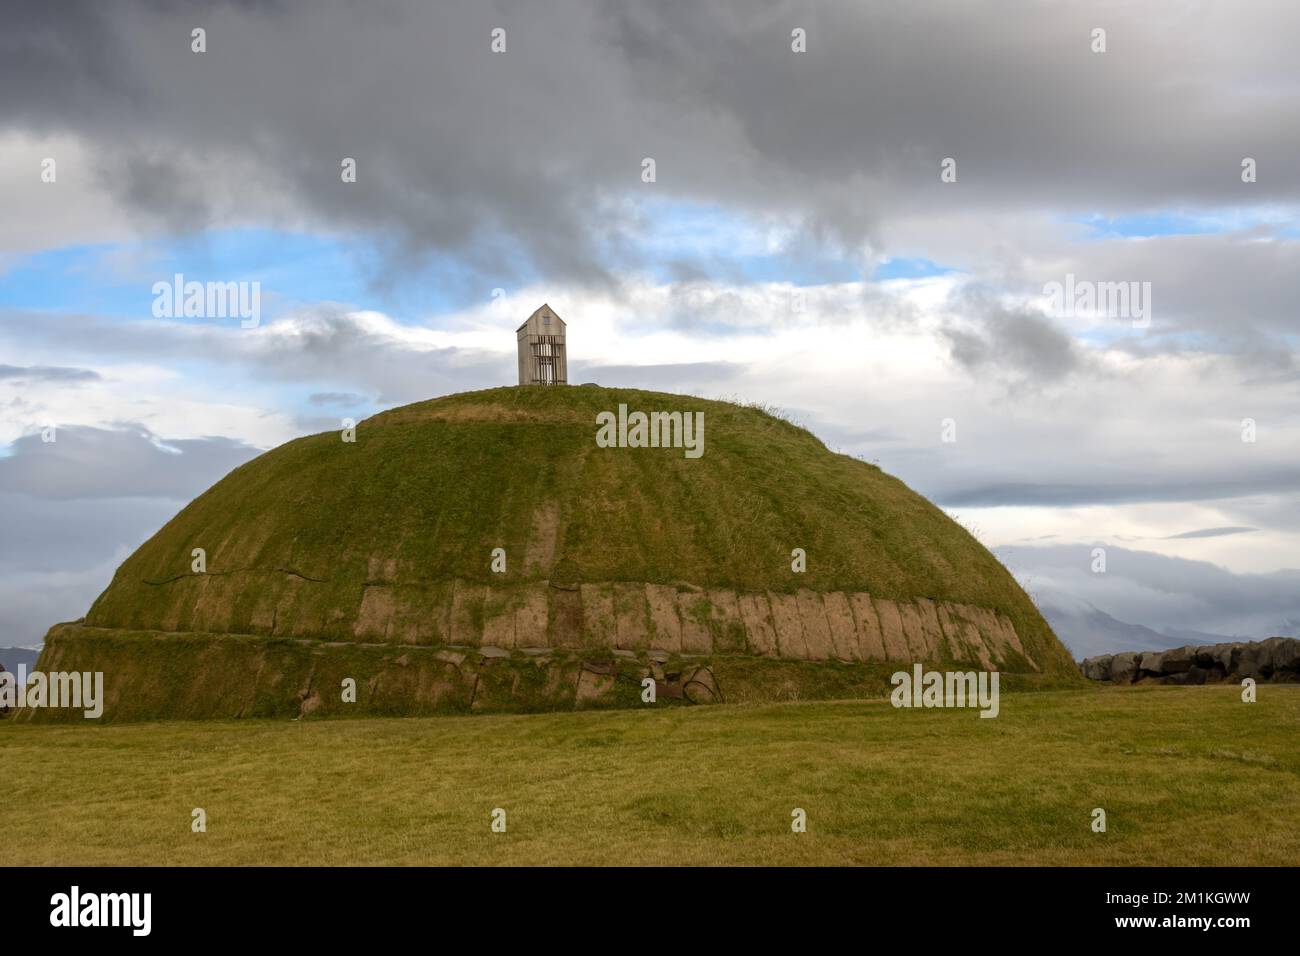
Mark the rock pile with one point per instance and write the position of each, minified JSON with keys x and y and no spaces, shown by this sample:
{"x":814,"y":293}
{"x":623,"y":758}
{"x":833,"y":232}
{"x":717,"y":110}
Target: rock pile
{"x":1276,"y":659}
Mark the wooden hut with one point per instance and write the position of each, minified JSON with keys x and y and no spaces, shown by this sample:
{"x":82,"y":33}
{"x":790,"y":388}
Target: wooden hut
{"x":542,"y":359}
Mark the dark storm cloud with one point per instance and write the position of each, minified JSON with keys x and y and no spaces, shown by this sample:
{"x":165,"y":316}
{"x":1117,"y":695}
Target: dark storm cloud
{"x":525,"y":160}
{"x":1015,"y":344}
{"x":1009,"y":89}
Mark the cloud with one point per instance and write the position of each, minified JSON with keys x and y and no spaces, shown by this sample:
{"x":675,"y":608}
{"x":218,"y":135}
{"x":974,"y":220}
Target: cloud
{"x":1016,"y":345}
{"x":1210,"y":533}
{"x":128,"y":462}
{"x":837,"y":144}
{"x":46,"y":373}
{"x":346,"y":399}
{"x":30,"y":602}
{"x":362,"y":352}
{"x":683,"y":377}
{"x":876,"y":381}
{"x":58,"y":554}
{"x":1173,"y":596}
{"x":1220,"y":483}
{"x":75,"y":508}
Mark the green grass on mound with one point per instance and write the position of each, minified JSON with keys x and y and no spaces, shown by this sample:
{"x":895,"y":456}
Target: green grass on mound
{"x":427,"y":490}
{"x":1187,"y":776}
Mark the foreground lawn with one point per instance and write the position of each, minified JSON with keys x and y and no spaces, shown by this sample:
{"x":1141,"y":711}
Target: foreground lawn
{"x":1187,"y":776}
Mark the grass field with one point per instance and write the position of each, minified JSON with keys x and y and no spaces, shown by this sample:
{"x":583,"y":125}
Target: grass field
{"x":1187,"y":776}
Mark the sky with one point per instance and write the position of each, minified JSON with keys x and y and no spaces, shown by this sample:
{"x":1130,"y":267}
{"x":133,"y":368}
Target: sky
{"x":866,"y":232}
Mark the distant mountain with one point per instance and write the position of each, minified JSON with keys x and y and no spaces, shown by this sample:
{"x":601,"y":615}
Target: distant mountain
{"x":1187,"y":636}
{"x":11,"y":657}
{"x":1088,"y":632}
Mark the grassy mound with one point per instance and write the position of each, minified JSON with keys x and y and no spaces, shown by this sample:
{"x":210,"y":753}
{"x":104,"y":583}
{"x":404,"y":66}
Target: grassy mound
{"x":389,"y":539}
{"x":427,"y":491}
